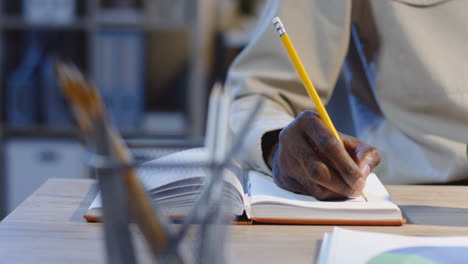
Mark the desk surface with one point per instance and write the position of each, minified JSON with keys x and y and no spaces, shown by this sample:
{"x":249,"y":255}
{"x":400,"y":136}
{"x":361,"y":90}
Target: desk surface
{"x":48,"y":227}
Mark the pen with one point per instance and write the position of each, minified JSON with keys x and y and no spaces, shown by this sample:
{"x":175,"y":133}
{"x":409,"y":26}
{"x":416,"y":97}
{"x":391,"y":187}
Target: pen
{"x":306,"y":80}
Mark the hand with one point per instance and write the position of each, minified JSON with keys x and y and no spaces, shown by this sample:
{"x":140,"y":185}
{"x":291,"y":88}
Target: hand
{"x":309,"y":159}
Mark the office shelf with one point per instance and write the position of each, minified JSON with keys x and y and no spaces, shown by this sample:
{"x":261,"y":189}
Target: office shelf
{"x":187,"y":119}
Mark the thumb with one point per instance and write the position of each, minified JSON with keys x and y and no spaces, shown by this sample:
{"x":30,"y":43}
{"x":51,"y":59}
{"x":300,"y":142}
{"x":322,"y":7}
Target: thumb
{"x":366,"y":156}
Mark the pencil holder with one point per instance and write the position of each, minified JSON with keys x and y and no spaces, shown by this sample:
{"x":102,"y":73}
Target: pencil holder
{"x":186,"y":189}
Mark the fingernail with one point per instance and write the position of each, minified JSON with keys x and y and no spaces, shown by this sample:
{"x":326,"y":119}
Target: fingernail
{"x":365,"y":170}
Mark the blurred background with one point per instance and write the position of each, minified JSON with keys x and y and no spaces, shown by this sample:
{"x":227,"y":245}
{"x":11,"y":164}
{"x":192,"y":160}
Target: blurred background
{"x":154,"y":62}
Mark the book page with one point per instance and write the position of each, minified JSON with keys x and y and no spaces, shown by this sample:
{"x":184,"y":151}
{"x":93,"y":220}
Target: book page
{"x":348,"y":246}
{"x":179,"y":186}
{"x":268,"y":201}
{"x":263,"y":188}
{"x":154,"y":176}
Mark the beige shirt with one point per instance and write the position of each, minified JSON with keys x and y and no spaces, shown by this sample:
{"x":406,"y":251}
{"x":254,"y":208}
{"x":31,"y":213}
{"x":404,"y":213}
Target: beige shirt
{"x":421,"y":85}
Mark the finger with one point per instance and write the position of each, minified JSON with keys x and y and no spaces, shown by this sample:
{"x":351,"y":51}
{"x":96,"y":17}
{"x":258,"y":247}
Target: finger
{"x":307,"y":184}
{"x":330,"y":147}
{"x":288,"y":184}
{"x":319,"y":192}
{"x":322,"y":193}
{"x":286,"y":163}
{"x":362,"y":153}
{"x":288,"y":168}
{"x":316,"y":172}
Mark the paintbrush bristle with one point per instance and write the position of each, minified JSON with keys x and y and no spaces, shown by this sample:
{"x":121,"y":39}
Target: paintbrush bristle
{"x":83,"y":97}
{"x":75,"y":86}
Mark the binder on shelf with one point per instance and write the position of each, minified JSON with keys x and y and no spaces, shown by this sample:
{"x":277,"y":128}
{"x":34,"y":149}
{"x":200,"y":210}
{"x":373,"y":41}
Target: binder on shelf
{"x":105,"y":65}
{"x":22,"y":89}
{"x":131,"y":83}
{"x":120,"y":78}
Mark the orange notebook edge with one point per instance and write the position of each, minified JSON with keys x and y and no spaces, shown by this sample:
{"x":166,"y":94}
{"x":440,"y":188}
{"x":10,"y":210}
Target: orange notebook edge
{"x":398,"y":222}
{"x":96,"y":219}
{"x":92,"y":218}
{"x":259,"y":220}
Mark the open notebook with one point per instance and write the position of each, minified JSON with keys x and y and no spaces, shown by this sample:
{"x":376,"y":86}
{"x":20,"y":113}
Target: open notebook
{"x":255,"y":194}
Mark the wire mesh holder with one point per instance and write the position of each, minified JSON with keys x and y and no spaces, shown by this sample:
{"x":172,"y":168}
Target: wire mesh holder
{"x":116,"y":217}
{"x":205,"y":214}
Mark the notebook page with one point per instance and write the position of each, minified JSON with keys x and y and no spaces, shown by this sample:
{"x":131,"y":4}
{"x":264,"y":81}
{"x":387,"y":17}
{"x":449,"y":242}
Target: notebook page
{"x":164,"y":179}
{"x":262,"y":189}
{"x":153,"y":176}
{"x":263,"y":185}
{"x":268,"y":201}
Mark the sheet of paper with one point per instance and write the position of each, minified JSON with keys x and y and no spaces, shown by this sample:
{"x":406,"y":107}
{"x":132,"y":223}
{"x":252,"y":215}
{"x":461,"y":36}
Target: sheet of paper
{"x":325,"y":248}
{"x":350,"y":247}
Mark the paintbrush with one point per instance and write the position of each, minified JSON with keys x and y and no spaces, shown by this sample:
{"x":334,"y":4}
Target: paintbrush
{"x":101,"y":137}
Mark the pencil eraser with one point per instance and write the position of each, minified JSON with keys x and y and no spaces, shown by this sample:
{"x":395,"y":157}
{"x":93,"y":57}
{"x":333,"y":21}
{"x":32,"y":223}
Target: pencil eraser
{"x":276,"y":20}
{"x":278,"y":26}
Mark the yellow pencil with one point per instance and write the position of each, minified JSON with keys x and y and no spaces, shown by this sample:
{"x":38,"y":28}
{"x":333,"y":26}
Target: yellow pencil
{"x":305,"y":79}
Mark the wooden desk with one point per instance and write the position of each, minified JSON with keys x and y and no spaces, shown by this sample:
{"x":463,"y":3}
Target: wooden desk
{"x":48,"y":227}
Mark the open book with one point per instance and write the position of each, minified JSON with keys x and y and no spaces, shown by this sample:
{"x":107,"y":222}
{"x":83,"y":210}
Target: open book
{"x":350,"y":246}
{"x":255,"y":194}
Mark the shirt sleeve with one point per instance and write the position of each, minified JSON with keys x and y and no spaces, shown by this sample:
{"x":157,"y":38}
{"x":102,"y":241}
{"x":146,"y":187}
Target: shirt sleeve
{"x":320,"y":32}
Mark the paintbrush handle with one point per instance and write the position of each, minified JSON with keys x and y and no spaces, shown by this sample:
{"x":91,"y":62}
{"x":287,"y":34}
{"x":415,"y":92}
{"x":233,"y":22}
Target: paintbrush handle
{"x":153,"y":228}
{"x":92,"y":119}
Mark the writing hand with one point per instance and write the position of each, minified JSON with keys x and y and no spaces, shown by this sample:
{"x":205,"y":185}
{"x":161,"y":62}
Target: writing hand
{"x":309,"y":159}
